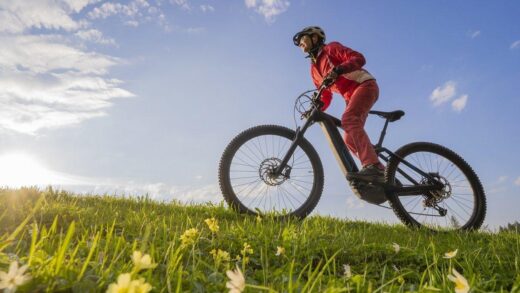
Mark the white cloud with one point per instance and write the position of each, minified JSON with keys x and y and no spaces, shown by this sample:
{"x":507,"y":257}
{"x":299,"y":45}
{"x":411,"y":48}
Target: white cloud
{"x":182,"y":3}
{"x":47,"y":53}
{"x":460,"y":103}
{"x":109,"y":8}
{"x":18,"y":16}
{"x":498,"y":187}
{"x":474,"y":34}
{"x":207,"y":8}
{"x":269,"y":9}
{"x":354,"y":203}
{"x":95,"y":36}
{"x":515,"y":45}
{"x":46,"y":83}
{"x":517,"y":181}
{"x":443,"y":93}
{"x":132,"y":14}
{"x":156,"y":191}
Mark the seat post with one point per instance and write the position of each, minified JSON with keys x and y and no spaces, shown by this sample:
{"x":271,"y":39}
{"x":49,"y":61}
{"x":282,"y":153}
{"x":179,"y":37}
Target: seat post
{"x":382,"y":136}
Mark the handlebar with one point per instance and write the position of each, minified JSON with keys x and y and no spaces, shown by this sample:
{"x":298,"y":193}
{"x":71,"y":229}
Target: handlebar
{"x":315,"y":100}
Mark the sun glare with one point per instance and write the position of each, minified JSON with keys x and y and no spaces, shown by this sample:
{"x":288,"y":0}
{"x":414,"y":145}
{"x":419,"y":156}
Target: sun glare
{"x":18,"y":169}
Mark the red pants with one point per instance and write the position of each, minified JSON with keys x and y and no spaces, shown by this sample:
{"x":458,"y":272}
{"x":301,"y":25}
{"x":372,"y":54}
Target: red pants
{"x":353,"y":121}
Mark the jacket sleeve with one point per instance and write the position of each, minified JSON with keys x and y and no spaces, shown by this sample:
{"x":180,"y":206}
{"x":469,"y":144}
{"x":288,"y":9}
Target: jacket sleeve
{"x":326,"y":94}
{"x":349,"y":60}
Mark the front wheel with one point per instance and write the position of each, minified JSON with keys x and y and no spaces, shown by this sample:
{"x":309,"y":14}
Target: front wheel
{"x":461,"y":204}
{"x":246,"y":173}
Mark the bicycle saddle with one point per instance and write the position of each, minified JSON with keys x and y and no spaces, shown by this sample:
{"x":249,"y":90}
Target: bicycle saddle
{"x":391,"y":116}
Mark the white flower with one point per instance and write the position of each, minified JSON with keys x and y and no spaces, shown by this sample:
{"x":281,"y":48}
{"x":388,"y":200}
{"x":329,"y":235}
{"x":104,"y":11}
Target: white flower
{"x":15,"y":277}
{"x":461,"y":284}
{"x":396,"y":247}
{"x":280,"y":251}
{"x":122,"y":285}
{"x":126,"y":284}
{"x":236,"y":283}
{"x":142,"y":261}
{"x":348,"y":271}
{"x":451,"y":254}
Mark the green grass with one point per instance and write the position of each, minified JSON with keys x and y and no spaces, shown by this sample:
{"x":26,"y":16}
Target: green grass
{"x":83,"y":243}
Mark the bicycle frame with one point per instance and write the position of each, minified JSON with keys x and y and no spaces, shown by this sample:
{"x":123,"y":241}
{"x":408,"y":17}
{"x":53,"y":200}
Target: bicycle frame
{"x":330,"y":125}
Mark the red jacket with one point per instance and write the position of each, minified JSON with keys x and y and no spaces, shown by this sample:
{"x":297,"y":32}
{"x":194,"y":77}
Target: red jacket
{"x":332,"y":55}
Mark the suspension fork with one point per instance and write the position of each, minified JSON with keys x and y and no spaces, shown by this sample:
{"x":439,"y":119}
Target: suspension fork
{"x":300,"y":131}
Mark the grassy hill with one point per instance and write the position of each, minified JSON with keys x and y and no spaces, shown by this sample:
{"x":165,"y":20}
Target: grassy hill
{"x":83,"y":243}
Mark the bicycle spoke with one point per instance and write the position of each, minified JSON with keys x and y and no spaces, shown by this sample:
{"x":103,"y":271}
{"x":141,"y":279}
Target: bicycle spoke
{"x":457,"y":198}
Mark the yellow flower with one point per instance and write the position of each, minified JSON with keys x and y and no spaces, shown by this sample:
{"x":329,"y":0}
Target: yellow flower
{"x":451,"y":254}
{"x":212,"y":225}
{"x":189,"y":237}
{"x":247,"y":249}
{"x":280,"y":251}
{"x":14,"y":277}
{"x":219,"y":256}
{"x":396,"y":247}
{"x":125,"y":284}
{"x":400,"y":279}
{"x":122,"y":285}
{"x":141,"y":261}
{"x":348,"y":271}
{"x":237,"y":282}
{"x":289,"y":234}
{"x":258,"y":218}
{"x":461,"y":284}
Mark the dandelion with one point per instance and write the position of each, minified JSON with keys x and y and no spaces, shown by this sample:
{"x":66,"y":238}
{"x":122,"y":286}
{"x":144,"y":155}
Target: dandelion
{"x":347,"y":271}
{"x":141,"y":261}
{"x":236,"y":283}
{"x":451,"y":254}
{"x":396,"y":247}
{"x":280,"y":251}
{"x":212,"y":225}
{"x":461,"y":284}
{"x":258,"y":219}
{"x":189,"y":237}
{"x":14,"y":277}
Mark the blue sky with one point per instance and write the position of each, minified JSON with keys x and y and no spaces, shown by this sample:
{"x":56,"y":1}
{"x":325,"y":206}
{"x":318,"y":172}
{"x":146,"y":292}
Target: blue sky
{"x":142,"y":96}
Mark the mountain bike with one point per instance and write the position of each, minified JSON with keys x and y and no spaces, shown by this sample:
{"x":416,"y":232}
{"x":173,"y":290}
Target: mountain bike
{"x":273,"y":169}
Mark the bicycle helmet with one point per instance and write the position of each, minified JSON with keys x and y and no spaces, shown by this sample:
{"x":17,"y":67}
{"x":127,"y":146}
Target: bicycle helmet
{"x":309,"y":31}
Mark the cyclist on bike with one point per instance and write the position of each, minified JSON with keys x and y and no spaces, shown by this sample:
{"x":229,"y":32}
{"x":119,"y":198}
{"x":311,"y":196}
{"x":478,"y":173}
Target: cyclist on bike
{"x":342,"y":68}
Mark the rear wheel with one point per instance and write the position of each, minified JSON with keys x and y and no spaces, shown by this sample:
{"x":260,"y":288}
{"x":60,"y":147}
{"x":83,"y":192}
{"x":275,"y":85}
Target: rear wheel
{"x":461,"y":204}
{"x":246,"y":173}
